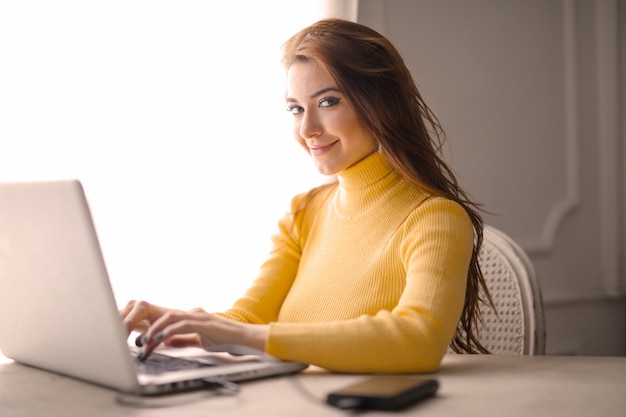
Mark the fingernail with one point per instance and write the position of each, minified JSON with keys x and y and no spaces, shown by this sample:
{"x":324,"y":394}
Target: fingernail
{"x":158,"y":337}
{"x":139,"y":341}
{"x":139,"y":354}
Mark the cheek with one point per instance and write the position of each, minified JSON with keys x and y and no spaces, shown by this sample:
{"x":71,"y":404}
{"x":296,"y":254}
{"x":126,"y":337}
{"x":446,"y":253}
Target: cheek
{"x":299,"y":139}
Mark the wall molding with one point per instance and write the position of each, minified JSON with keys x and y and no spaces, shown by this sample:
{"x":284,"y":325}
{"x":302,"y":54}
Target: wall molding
{"x":545,"y":242}
{"x":608,"y":135}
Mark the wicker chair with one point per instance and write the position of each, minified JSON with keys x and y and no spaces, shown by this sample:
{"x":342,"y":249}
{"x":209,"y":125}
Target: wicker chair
{"x":518,"y":328}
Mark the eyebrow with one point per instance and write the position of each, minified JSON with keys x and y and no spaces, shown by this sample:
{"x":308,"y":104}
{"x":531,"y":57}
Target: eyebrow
{"x":316,"y":94}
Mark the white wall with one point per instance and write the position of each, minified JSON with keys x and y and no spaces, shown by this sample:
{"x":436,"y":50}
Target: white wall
{"x":529,"y":93}
{"x":172,"y":113}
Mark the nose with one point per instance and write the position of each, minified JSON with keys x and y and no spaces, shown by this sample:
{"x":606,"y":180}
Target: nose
{"x":310,"y":125}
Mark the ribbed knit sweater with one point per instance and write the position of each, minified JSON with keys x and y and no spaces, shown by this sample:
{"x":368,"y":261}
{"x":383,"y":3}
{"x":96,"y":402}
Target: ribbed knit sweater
{"x":369,"y":277}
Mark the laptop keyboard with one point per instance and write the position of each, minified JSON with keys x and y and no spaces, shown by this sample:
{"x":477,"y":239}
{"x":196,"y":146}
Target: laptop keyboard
{"x":156,"y":364}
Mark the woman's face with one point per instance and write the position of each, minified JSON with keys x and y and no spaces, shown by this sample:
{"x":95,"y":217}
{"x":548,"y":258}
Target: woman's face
{"x":325,"y":123}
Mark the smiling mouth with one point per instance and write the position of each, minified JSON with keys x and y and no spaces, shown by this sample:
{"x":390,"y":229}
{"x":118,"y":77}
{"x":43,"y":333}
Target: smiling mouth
{"x":319,"y":150}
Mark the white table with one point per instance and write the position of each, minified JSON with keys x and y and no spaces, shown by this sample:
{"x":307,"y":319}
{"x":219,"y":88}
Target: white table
{"x":471,"y":385}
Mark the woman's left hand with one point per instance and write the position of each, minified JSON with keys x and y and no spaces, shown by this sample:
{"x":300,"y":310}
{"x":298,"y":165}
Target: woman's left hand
{"x":200,"y":329}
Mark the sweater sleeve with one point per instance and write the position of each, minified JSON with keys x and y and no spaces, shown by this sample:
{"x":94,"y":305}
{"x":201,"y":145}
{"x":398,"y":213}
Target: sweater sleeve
{"x":262,"y":301}
{"x":436,"y":247}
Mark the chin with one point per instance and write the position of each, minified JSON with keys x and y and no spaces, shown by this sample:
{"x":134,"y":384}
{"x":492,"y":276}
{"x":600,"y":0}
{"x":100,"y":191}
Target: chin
{"x":325,"y":170}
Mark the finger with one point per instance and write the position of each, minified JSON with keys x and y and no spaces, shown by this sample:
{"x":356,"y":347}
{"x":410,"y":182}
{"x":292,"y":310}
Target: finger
{"x":186,"y":340}
{"x":172,"y":323}
{"x":129,"y":306}
{"x":137,"y":316}
{"x":125,"y":313}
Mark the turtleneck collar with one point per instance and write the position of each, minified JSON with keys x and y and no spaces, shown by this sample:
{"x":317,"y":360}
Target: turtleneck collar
{"x":365,"y":172}
{"x":365,"y":184}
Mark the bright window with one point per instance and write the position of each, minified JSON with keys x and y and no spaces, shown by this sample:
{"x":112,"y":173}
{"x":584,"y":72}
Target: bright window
{"x":172,"y":115}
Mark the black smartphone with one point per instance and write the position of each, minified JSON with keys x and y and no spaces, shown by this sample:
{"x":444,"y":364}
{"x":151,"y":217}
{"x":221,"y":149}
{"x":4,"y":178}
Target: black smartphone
{"x":383,"y":392}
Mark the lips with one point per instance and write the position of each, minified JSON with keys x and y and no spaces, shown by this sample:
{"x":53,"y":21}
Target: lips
{"x":320,"y":150}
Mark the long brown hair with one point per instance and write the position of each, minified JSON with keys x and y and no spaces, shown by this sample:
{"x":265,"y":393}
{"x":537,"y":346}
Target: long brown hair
{"x":373,"y":76}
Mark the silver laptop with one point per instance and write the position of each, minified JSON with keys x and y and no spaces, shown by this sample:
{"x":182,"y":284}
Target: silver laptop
{"x":57,"y":307}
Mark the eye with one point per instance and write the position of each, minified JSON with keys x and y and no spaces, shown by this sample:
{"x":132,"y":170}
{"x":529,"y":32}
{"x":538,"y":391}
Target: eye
{"x":328,"y":102}
{"x":295,"y":110}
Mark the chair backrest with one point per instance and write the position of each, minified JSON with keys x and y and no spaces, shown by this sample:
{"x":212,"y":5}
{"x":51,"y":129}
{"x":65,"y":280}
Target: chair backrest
{"x":518,"y":325}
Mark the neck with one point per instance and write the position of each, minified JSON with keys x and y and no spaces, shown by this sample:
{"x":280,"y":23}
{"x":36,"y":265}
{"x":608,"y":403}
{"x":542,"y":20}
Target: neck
{"x":365,"y":184}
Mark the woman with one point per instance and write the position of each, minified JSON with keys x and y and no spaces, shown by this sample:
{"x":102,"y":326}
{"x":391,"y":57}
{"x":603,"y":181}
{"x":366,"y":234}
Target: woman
{"x":376,"y":272}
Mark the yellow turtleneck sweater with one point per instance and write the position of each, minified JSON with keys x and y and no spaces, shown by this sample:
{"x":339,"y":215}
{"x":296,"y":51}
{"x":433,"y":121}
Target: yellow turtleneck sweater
{"x":369,"y":278}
